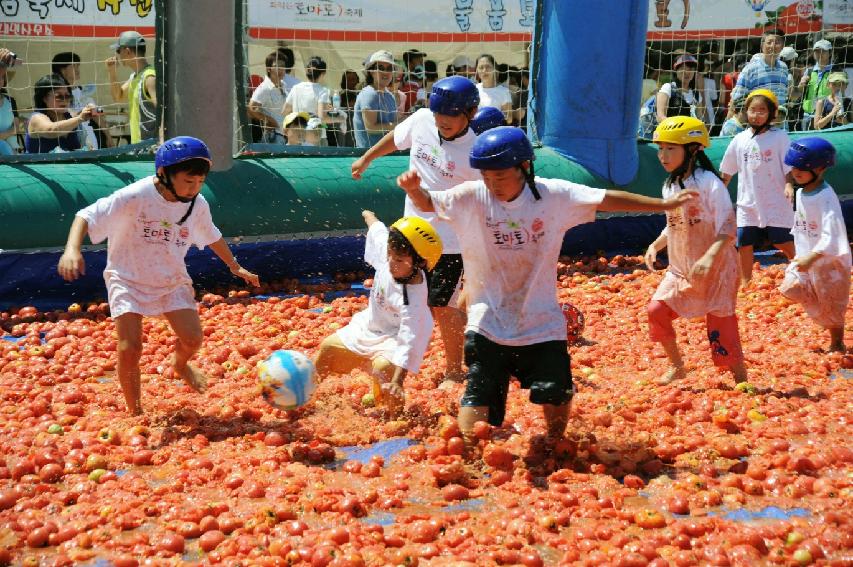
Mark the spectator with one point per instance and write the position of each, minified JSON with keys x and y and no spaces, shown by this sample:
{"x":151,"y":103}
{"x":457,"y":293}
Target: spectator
{"x":67,"y":66}
{"x":650,"y":82}
{"x":288,"y":61}
{"x":491,"y":93}
{"x":303,"y":129}
{"x":375,"y":111}
{"x":267,"y":102}
{"x":814,"y":82}
{"x":311,"y":96}
{"x":737,"y":123}
{"x":765,"y":71}
{"x":256,"y":131}
{"x":51,"y":127}
{"x":707,"y":86}
{"x":140,"y":90}
{"x":519,"y":99}
{"x":449,"y":71}
{"x":462,"y":65}
{"x":394,"y":87}
{"x":413,"y":80}
{"x":679,"y":98}
{"x":731,"y":71}
{"x":833,"y":109}
{"x":8,"y":115}
{"x":343,"y":136}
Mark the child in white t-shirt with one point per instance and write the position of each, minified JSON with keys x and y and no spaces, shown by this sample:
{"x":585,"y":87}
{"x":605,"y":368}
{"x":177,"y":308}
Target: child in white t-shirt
{"x":511,"y":239}
{"x":819,"y":275}
{"x":702,"y":276}
{"x":391,"y":336}
{"x":150,"y":225}
{"x":763,"y":192}
{"x":439,"y":139}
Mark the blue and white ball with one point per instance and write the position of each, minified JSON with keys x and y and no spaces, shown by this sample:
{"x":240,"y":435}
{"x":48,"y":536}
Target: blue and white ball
{"x":287,"y":379}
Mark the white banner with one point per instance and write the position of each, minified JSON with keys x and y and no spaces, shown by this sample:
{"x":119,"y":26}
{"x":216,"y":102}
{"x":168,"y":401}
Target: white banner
{"x":75,"y":18}
{"x":838,"y":11}
{"x":424,"y":16}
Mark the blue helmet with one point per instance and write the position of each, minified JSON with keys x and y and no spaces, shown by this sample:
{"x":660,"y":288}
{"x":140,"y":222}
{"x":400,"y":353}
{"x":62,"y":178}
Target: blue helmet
{"x":180,"y":149}
{"x":487,"y":117}
{"x":501,"y":148}
{"x":453,"y":96}
{"x":810,"y":153}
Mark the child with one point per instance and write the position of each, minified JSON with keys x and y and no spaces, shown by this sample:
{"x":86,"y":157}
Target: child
{"x":440,"y":138}
{"x":819,"y":275}
{"x":511,"y":239}
{"x":763,"y":199}
{"x":150,"y":227}
{"x":703,"y":271}
{"x":391,"y":336}
{"x":737,"y":123}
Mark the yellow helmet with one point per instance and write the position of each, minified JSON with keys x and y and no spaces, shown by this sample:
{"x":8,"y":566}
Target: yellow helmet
{"x":765,"y":93}
{"x":682,"y":130}
{"x":423,"y":238}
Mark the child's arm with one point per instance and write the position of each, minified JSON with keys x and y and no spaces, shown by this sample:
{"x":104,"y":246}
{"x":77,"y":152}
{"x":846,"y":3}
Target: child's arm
{"x":652,"y":252}
{"x":726,"y":178}
{"x":71,"y":264}
{"x":221,"y":249}
{"x":395,"y":387}
{"x":789,"y":187}
{"x":381,"y":148}
{"x":803,"y":263}
{"x":703,"y":265}
{"x":410,"y":182}
{"x":615,"y":200}
{"x":369,"y":218}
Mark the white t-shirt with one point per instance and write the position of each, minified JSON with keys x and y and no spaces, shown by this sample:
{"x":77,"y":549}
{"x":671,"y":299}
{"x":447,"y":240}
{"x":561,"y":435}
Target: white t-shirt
{"x":146,"y":247}
{"x":400,"y":333}
{"x":494,"y":96}
{"x":819,"y":224}
{"x":288,"y":82}
{"x":760,"y":166}
{"x":510,"y":253}
{"x":79,"y":99}
{"x":441,"y":165}
{"x":307,"y":96}
{"x":271,"y":98}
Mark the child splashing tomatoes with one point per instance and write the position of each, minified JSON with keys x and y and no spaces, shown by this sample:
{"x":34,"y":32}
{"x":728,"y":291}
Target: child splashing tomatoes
{"x":150,"y":226}
{"x":391,"y":336}
{"x":819,"y":275}
{"x":763,"y":196}
{"x":511,"y":238}
{"x":703,"y":271}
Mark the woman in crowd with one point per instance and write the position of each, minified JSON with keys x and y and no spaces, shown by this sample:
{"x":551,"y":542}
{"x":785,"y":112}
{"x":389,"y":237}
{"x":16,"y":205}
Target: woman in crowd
{"x":492,"y":93}
{"x":375,"y":111}
{"x":680,"y":98}
{"x":67,"y":66}
{"x":51,"y":127}
{"x":8,"y":119}
{"x":833,"y":110}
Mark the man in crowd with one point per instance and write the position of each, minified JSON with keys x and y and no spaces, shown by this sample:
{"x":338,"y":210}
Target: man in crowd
{"x":140,"y":90}
{"x":764,"y":72}
{"x":814,"y":81}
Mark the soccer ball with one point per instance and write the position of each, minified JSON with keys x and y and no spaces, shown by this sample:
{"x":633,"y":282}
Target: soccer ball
{"x":287,"y":379}
{"x":574,"y":322}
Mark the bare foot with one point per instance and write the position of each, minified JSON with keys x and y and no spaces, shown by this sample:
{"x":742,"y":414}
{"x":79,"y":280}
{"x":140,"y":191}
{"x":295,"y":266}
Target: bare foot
{"x":193,"y":377}
{"x":136,"y":410}
{"x":837,"y":347}
{"x":673,"y":374}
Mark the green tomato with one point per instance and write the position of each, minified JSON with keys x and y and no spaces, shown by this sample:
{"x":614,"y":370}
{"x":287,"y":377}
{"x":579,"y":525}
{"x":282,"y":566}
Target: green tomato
{"x":794,"y":537}
{"x":55,"y":429}
{"x":368,"y":400}
{"x":803,"y":556}
{"x":96,"y":474}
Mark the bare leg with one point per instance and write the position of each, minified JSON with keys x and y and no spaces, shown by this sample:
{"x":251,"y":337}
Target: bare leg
{"x":836,"y":336}
{"x":745,"y":253}
{"x":739,"y":372}
{"x":556,"y":418}
{"x":787,"y":248}
{"x":451,"y":325}
{"x":676,"y":369}
{"x":334,"y":357}
{"x":129,"y":330}
{"x":187,"y":327}
{"x":468,"y":416}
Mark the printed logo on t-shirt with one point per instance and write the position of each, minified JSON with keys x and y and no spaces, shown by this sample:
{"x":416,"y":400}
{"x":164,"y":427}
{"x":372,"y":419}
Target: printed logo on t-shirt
{"x":508,"y":234}
{"x":810,"y":228}
{"x":162,"y":232}
{"x":675,"y":219}
{"x":433,"y":157}
{"x":753,"y":157}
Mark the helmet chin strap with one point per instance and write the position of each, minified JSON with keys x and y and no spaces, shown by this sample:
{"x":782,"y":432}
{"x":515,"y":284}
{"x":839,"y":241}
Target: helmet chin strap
{"x":167,"y":183}
{"x":442,"y":139}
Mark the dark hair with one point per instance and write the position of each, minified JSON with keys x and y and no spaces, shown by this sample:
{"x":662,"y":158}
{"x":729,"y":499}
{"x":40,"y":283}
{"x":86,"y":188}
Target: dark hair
{"x":772,"y":111}
{"x":196,"y":166}
{"x":272,"y":59}
{"x":503,"y":73}
{"x":315,"y":68}
{"x":773,"y":31}
{"x":139,"y":50}
{"x":285,"y":54}
{"x":399,"y":243}
{"x":692,"y":160}
{"x":412,"y":54}
{"x":450,"y":71}
{"x":344,"y":78}
{"x":430,"y":70}
{"x":44,"y":87}
{"x":63,"y":60}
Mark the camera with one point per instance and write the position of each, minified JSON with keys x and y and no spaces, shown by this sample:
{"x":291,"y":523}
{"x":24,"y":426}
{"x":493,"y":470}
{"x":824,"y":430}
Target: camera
{"x":99,"y":110}
{"x":11,"y":60}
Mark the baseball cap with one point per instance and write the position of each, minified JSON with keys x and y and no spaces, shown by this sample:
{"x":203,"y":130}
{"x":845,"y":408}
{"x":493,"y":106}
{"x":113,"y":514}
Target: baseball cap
{"x":823,"y":45}
{"x":462,"y":61}
{"x":837,"y":77}
{"x":130,"y":38}
{"x":381,"y":56}
{"x":683,"y":59}
{"x":788,"y":53}
{"x":302,"y":117}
